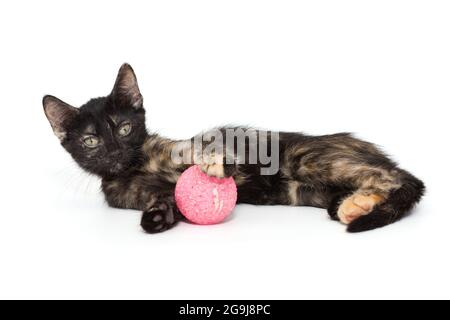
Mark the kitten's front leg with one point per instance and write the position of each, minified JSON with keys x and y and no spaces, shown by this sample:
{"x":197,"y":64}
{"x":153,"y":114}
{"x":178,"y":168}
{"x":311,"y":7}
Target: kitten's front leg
{"x":161,"y":216}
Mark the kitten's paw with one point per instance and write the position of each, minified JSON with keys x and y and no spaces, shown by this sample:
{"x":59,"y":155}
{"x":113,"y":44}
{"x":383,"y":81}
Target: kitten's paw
{"x":213,"y":170}
{"x":215,"y":165}
{"x":159,"y":218}
{"x":334,"y":204}
{"x":356,"y":206}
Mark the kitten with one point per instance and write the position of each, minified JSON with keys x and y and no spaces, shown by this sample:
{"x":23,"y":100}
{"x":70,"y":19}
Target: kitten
{"x":352,"y":179}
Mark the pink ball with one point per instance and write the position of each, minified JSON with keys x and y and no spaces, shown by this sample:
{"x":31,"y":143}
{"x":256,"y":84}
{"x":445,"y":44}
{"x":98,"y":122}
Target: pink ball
{"x":205,"y":200}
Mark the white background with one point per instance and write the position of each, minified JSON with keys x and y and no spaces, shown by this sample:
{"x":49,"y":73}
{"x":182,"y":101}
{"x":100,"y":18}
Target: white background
{"x":380,"y":69}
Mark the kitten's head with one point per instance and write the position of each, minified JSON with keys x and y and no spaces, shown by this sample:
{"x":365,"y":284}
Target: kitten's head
{"x":105,"y":135}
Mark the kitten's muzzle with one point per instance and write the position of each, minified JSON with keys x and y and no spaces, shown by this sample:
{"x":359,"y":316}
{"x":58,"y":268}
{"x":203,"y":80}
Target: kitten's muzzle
{"x":115,"y":160}
{"x":116,"y":154}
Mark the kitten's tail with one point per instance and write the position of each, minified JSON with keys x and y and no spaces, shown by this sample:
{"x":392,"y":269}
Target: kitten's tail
{"x":398,"y":203}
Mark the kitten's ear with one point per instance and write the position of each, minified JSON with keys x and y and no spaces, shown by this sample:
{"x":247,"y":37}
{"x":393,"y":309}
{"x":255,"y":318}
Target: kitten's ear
{"x":59,"y":114}
{"x":126,"y":90}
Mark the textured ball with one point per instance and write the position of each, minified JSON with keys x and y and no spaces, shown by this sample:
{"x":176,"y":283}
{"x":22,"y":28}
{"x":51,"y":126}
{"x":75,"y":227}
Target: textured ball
{"x":205,"y":200}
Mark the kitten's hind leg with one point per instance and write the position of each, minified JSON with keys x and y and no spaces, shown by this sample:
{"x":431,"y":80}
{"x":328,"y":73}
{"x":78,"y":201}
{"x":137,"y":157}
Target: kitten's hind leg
{"x":356,"y":206}
{"x":397,"y":203}
{"x":162,"y":216}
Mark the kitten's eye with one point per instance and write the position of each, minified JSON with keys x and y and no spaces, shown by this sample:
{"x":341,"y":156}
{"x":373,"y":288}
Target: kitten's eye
{"x":125,"y":129}
{"x":91,"y":141}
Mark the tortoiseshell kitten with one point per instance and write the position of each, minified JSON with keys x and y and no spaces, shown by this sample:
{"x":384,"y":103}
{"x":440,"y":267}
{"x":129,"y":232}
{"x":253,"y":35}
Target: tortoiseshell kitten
{"x":352,"y":179}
